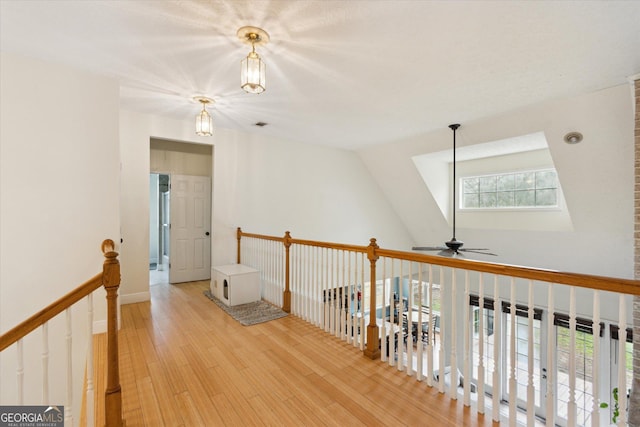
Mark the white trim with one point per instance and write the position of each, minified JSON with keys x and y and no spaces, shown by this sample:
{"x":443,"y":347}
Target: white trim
{"x":134,"y":298}
{"x":634,"y":77}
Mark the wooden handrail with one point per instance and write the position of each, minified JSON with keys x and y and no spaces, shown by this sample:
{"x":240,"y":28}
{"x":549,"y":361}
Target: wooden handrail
{"x":49,"y":312}
{"x":604,"y":283}
{"x":611,"y":284}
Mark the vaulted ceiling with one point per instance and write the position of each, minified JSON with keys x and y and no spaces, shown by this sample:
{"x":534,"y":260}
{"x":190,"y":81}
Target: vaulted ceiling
{"x":339,"y":73}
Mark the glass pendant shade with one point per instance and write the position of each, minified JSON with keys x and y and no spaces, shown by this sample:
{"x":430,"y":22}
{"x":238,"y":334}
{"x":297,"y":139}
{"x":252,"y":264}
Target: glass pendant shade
{"x":204,"y":122}
{"x":252,"y":73}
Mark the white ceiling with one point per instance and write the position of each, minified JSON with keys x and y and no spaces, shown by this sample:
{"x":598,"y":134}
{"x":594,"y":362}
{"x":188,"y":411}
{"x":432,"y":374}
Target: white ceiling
{"x":339,"y":73}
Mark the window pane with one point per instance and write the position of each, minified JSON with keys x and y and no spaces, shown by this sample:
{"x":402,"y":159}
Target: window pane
{"x":506,"y":199}
{"x":525,"y":181}
{"x":487,"y":200}
{"x":510,"y":190}
{"x":522,"y":358}
{"x":488,"y":183}
{"x":470,"y":185}
{"x":547,"y":197}
{"x":546,"y":179}
{"x":525,"y":198}
{"x":470,"y":200}
{"x":488,"y":350}
{"x":583,"y":362}
{"x":506,"y":182}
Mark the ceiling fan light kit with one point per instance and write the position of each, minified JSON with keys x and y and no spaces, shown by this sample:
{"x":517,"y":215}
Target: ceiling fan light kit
{"x":453,"y":247}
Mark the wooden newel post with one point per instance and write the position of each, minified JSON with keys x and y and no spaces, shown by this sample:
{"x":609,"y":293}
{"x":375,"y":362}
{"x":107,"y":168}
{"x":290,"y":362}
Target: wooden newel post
{"x":111,"y":283}
{"x":286,"y":296}
{"x":372,"y":350}
{"x":239,"y":236}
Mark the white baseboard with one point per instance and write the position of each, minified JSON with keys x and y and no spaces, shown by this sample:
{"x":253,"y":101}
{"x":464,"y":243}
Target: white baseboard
{"x":134,"y":298}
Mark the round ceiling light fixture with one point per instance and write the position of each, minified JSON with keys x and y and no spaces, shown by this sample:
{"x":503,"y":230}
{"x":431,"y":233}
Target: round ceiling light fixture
{"x":573,"y":137}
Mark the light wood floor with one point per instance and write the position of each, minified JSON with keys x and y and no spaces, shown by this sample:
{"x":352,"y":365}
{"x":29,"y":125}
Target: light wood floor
{"x":184,"y":362}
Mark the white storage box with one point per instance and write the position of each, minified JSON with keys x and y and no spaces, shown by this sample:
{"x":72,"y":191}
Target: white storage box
{"x":236,"y":284}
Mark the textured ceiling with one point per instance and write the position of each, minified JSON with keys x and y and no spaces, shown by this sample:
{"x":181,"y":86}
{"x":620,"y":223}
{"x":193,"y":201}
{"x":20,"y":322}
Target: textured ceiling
{"x":339,"y":73}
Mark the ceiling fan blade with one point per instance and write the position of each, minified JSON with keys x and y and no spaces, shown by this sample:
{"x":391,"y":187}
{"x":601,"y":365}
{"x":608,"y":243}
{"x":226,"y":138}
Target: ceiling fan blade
{"x":479,"y":251}
{"x":428,"y":248}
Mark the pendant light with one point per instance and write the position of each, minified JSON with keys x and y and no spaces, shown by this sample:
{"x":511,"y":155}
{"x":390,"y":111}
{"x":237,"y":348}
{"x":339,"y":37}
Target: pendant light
{"x":252,"y":69}
{"x":204,"y":122}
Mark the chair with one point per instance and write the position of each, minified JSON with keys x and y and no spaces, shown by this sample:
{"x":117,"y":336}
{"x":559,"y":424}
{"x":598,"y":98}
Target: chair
{"x":405,"y":329}
{"x":428,"y":327}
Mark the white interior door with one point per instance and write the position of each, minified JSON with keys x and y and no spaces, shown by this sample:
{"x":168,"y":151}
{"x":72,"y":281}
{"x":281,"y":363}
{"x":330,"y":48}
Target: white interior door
{"x":190,"y":257}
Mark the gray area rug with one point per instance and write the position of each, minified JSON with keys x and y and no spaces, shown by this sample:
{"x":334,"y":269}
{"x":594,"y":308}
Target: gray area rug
{"x":251,"y":313}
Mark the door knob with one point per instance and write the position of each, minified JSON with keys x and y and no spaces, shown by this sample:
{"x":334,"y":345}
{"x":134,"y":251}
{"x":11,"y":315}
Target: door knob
{"x":206,"y":234}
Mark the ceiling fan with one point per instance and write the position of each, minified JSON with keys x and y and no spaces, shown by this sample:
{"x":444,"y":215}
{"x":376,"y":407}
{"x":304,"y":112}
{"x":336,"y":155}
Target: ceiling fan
{"x":453,"y":247}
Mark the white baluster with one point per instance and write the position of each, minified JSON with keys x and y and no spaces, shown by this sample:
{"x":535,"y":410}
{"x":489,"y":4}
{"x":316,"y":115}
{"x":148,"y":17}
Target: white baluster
{"x":401,"y":349}
{"x":409,"y":324}
{"x":317,"y":309}
{"x":301,"y":283}
{"x":443,"y":334}
{"x":432,"y":330}
{"x":419,"y":329}
{"x":20,"y":372}
{"x":453,"y":387}
{"x":362,"y":329}
{"x":68,"y":413}
{"x":497,"y":350}
{"x":357,"y":301}
{"x":513,"y":385}
{"x":294,"y":282}
{"x":350,"y":293}
{"x":392,"y":320}
{"x":45,"y":363}
{"x":336,"y":284}
{"x":325,"y":289}
{"x":481,"y":338}
{"x":622,"y":363}
{"x":572,"y":407}
{"x":341,"y":293}
{"x":309,"y":284}
{"x":551,"y":369}
{"x":90,"y":397}
{"x":595,"y":411}
{"x":466,"y":371}
{"x":343,"y":298}
{"x":386,"y":299}
{"x":531,"y":389}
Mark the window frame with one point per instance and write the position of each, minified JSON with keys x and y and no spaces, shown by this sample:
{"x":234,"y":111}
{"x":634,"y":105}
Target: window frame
{"x":461,"y":193}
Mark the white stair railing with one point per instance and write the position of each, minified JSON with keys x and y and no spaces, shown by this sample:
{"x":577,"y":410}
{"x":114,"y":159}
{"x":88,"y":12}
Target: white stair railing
{"x":502,"y":360}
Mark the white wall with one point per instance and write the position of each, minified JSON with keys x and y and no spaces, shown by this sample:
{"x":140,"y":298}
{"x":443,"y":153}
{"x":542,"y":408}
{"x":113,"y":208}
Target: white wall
{"x":59,"y":199}
{"x":260,"y":184}
{"x":596,"y":176}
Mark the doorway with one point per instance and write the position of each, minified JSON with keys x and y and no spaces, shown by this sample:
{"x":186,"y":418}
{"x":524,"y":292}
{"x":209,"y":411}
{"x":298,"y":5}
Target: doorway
{"x":180,"y":211}
{"x":159,"y":220}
